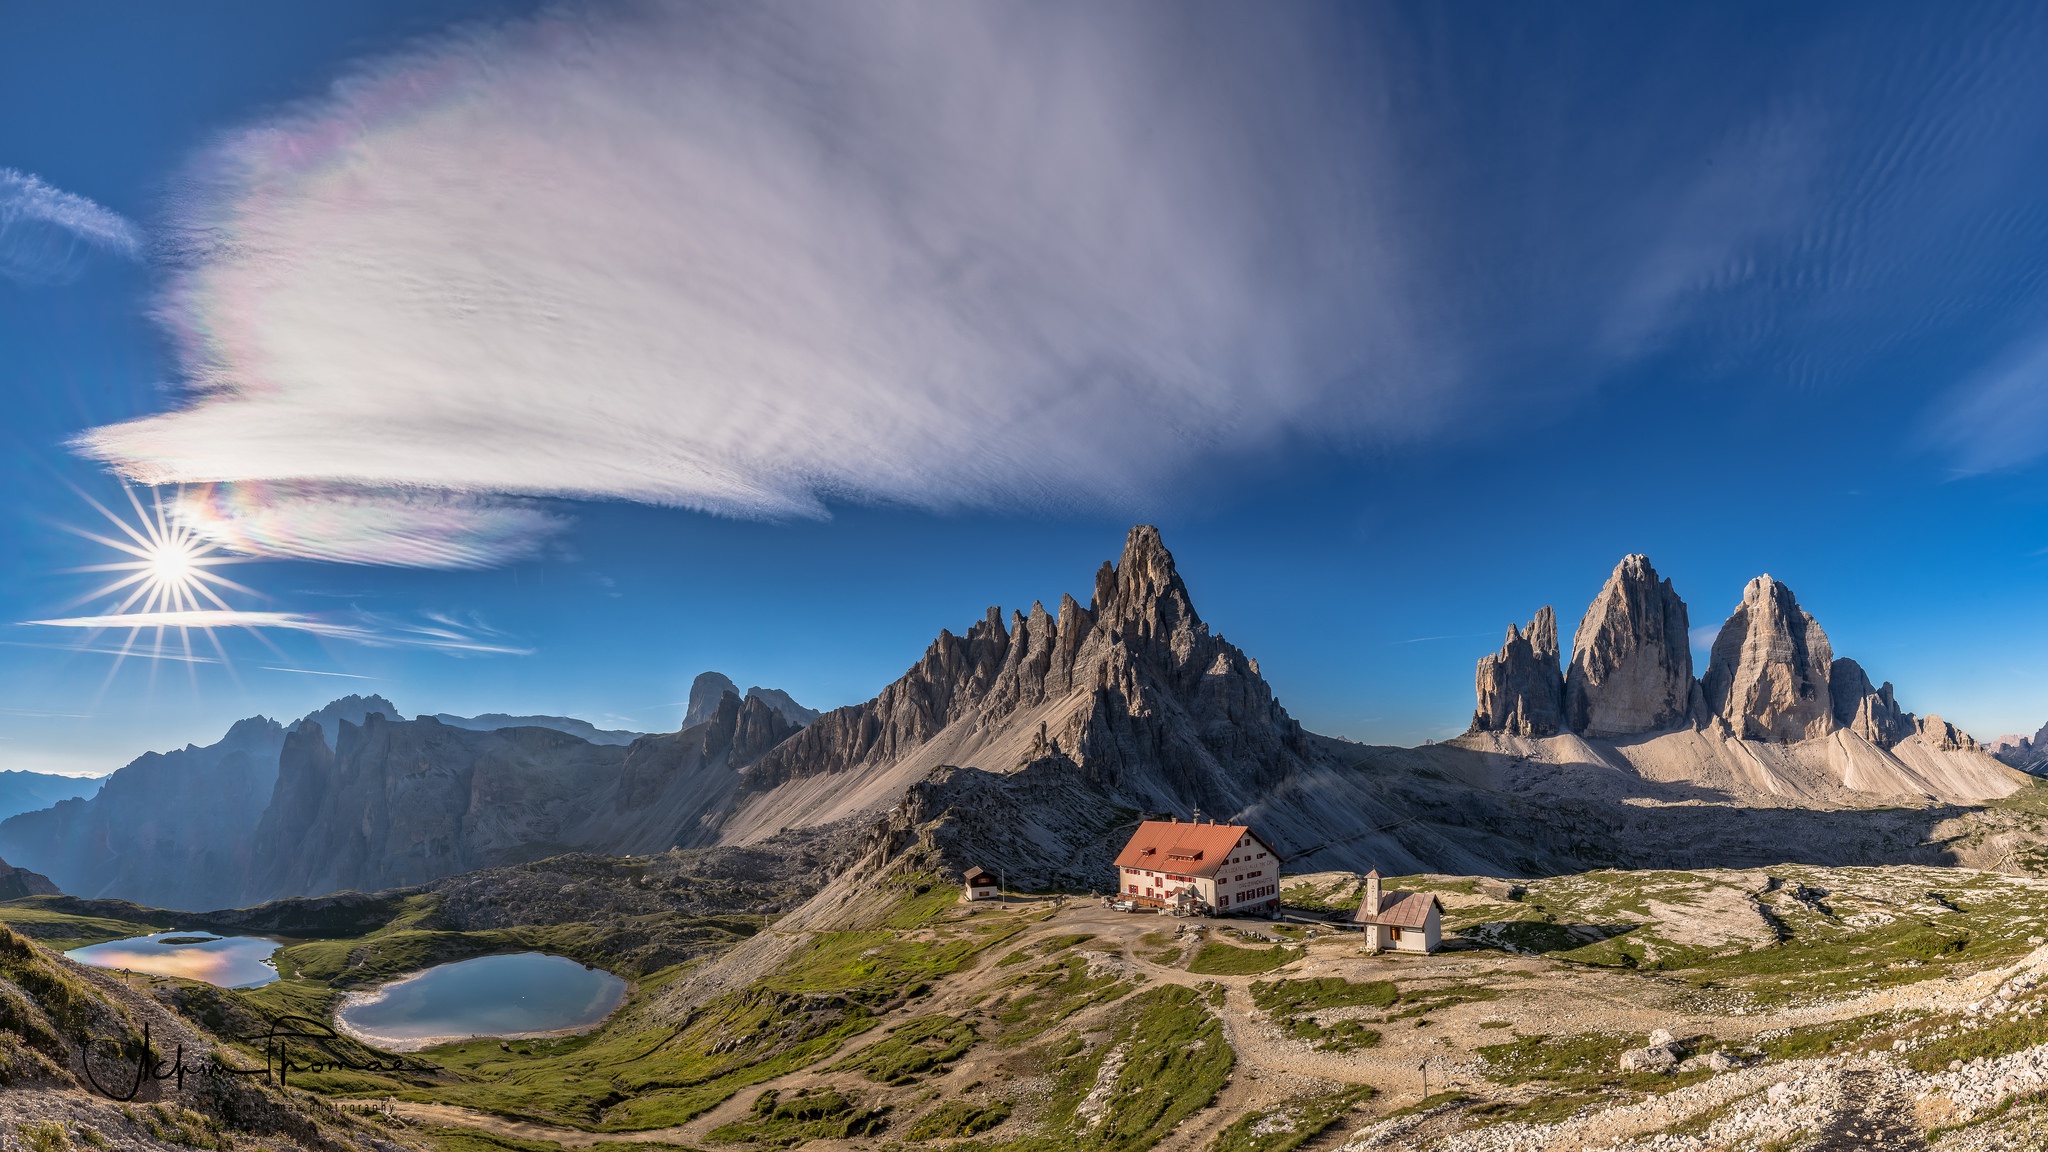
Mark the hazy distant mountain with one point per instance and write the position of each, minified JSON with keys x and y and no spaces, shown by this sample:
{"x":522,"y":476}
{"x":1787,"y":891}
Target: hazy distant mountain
{"x":28,"y":791}
{"x":581,"y":729}
{"x":709,"y":686}
{"x":171,"y":829}
{"x":2028,"y":754}
{"x":779,"y":700}
{"x":408,"y":802}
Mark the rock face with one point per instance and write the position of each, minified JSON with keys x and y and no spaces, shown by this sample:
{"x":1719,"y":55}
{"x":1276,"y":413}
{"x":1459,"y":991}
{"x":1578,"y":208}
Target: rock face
{"x":1133,"y":691}
{"x":704,"y":693}
{"x":776,"y":698}
{"x":1631,"y":667}
{"x":1768,"y":677}
{"x":2027,"y":755}
{"x":1943,"y":736}
{"x":1521,"y":687}
{"x":16,"y":883}
{"x":401,"y":803}
{"x":708,"y":687}
{"x":1872,"y":713}
{"x":171,"y":829}
{"x":581,"y":729}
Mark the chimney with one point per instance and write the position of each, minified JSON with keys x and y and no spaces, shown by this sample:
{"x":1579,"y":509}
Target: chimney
{"x":1372,"y":892}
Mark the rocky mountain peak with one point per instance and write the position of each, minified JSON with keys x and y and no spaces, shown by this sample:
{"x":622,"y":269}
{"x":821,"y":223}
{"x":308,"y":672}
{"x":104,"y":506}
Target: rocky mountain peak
{"x":1631,"y":668}
{"x":1142,"y":592}
{"x":1521,"y":687}
{"x":351,"y":709}
{"x":1943,"y":736}
{"x":1768,"y":675}
{"x":705,"y":692}
{"x":1137,"y":693}
{"x":1872,"y":713}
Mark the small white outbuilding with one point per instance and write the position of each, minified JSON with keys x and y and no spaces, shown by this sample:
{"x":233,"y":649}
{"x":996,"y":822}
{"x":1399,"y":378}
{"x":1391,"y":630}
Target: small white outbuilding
{"x":1399,"y":921}
{"x":979,"y":884}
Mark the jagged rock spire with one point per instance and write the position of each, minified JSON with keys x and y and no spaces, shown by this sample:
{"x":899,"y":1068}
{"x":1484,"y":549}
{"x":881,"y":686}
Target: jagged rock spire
{"x":1521,"y":687}
{"x":1156,"y":706}
{"x":1631,"y":667}
{"x":1768,"y":676}
{"x":1872,"y":713}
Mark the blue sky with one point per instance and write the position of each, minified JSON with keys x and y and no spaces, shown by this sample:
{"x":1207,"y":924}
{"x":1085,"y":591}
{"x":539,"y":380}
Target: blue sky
{"x":541,"y":357}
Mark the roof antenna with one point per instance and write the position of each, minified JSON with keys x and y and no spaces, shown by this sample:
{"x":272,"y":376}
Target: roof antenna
{"x":1198,"y":815}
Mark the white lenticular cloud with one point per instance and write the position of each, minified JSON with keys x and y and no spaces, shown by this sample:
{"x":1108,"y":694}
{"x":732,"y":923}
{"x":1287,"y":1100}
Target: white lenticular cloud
{"x":404,"y":529}
{"x":45,"y":234}
{"x":745,"y":260}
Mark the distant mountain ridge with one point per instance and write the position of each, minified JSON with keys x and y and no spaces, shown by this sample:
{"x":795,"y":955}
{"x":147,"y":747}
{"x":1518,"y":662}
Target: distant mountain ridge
{"x":1032,"y":744}
{"x":29,"y":791}
{"x":581,"y":729}
{"x":170,"y":829}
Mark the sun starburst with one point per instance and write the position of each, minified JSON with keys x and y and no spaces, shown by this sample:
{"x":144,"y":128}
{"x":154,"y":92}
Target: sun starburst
{"x":167,"y":574}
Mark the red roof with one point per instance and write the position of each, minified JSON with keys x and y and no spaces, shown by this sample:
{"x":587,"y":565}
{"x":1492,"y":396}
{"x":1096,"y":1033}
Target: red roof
{"x":1186,"y":849}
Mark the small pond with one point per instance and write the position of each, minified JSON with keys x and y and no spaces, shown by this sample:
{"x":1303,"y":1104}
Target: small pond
{"x":223,"y":961}
{"x":525,"y":994}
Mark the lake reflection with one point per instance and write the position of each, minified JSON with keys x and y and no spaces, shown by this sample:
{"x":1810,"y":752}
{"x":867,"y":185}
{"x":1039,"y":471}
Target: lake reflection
{"x":223,"y":961}
{"x":526,"y":994}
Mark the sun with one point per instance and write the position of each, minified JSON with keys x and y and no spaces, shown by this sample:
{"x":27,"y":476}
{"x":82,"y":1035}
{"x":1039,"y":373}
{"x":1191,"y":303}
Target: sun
{"x":167,"y":570}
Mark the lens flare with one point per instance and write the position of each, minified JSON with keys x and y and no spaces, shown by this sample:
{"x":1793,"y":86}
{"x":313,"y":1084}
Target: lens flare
{"x":166,"y":575}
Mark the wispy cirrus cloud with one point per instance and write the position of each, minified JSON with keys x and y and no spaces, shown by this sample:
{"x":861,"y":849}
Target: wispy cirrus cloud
{"x":734,"y":259}
{"x":46,"y":234}
{"x":751,"y":259}
{"x":435,"y":631}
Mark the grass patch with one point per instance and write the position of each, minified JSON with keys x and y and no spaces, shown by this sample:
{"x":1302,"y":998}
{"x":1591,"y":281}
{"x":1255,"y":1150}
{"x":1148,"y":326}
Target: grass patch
{"x":1045,"y":947}
{"x":1290,"y":1125}
{"x":474,"y":1140}
{"x":1428,"y":1103}
{"x":1295,"y":996}
{"x":1226,"y":960}
{"x":815,"y":1114}
{"x":2004,"y":1038}
{"x":1584,"y":1062}
{"x":912,"y":1049}
{"x":957,"y":1118}
{"x":1293,"y":1003}
{"x":1035,"y":1001}
{"x":1165,"y":1059}
{"x":62,"y":931}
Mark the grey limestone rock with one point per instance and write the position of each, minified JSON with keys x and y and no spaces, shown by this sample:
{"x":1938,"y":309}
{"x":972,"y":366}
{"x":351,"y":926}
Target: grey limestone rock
{"x":1521,"y":687}
{"x":1943,"y":736}
{"x":1768,"y":675}
{"x":16,"y":883}
{"x":705,"y":691}
{"x":1631,"y":667}
{"x":2023,"y":753}
{"x":1170,"y":716}
{"x":1872,"y":713}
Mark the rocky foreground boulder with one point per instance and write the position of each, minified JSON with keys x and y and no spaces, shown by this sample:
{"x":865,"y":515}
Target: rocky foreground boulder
{"x":1631,"y":665}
